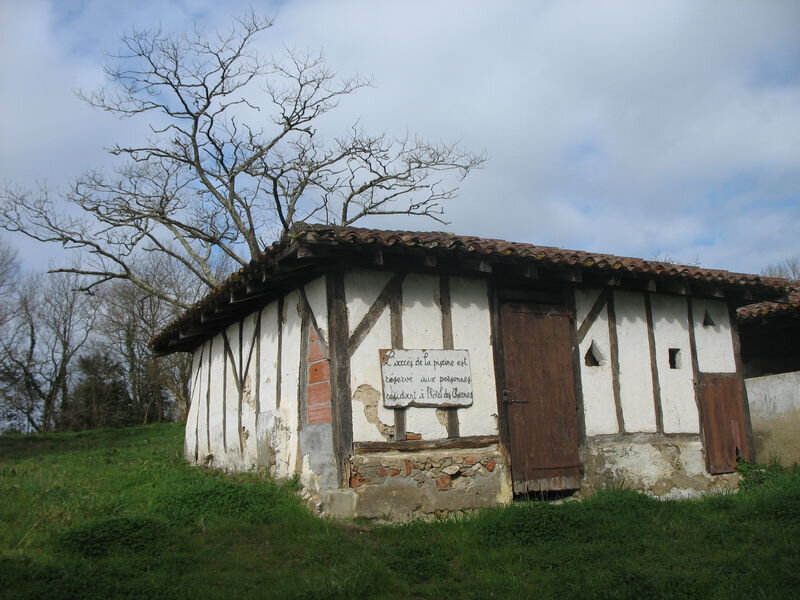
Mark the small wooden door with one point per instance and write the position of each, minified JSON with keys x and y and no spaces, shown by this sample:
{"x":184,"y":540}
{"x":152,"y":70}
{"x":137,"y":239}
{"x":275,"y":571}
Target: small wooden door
{"x":539,"y":397}
{"x":724,"y":422}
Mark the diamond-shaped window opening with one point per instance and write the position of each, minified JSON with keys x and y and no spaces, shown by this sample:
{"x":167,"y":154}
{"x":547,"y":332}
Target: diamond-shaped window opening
{"x":708,"y":321}
{"x":593,"y":356}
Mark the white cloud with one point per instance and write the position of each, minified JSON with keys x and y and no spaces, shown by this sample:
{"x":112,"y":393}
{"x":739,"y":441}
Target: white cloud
{"x":632,"y":128}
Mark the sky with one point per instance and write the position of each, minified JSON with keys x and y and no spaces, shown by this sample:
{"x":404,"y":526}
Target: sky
{"x":659,"y":128}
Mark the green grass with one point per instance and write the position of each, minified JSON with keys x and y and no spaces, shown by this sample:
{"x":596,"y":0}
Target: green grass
{"x":118,"y":514}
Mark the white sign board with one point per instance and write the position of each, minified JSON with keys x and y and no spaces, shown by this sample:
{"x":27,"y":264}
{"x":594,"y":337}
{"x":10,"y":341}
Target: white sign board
{"x":435,"y":378}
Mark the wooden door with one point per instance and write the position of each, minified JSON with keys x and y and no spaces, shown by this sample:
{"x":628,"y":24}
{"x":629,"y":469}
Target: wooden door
{"x":724,"y":422}
{"x":539,"y":397}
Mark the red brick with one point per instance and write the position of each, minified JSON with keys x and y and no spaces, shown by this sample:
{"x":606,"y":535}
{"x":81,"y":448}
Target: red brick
{"x":394,"y":472}
{"x":319,"y":371}
{"x":490,"y":465}
{"x":469,"y":461}
{"x":443,"y":482}
{"x":413,"y":436}
{"x":381,"y":472}
{"x":358,"y":479}
{"x":409,"y":466}
{"x":315,"y":352}
{"x":319,"y":413}
{"x":319,"y":393}
{"x":313,"y":336}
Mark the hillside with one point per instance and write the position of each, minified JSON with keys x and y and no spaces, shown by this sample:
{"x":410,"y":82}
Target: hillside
{"x":118,"y":514}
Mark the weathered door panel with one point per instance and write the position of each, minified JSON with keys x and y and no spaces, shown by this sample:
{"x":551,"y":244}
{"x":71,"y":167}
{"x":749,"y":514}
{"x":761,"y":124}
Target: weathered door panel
{"x":724,"y":421}
{"x":540,"y":398}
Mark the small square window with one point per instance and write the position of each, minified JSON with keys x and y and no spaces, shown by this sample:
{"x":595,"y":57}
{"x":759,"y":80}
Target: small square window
{"x":675,"y":358}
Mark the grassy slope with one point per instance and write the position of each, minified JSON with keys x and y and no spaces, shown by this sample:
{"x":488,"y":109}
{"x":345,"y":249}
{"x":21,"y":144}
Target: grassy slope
{"x":117,"y":514}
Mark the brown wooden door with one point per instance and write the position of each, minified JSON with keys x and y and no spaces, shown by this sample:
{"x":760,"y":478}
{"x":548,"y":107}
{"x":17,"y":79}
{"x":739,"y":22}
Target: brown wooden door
{"x":539,"y":397}
{"x":724,"y":421}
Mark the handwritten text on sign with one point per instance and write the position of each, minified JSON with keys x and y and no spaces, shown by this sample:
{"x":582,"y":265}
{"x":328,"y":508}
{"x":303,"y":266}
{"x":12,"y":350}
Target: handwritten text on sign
{"x":437,"y":378}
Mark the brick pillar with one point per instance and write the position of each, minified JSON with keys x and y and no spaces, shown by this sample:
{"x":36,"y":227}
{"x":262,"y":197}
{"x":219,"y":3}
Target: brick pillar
{"x":318,"y":405}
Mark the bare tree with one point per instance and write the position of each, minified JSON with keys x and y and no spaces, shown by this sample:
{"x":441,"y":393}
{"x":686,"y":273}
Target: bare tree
{"x":787,"y":269}
{"x":129,"y":317}
{"x":49,"y":323}
{"x":219,"y":176}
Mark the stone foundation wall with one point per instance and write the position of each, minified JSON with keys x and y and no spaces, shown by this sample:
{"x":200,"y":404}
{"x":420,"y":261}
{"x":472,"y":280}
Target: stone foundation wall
{"x":400,"y":485}
{"x":668,"y":466}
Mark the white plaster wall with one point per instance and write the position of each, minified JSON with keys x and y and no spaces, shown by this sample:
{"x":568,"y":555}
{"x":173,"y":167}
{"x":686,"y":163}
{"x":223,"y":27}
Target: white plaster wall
{"x":361,"y":288}
{"x":269,"y":358}
{"x":600,"y":413}
{"x":472,"y":330}
{"x":317,"y":295}
{"x":249,"y":399}
{"x":714,"y":344}
{"x":286,"y":464}
{"x":267,"y":432}
{"x":190,"y":438}
{"x":365,"y":370}
{"x":775,"y":416}
{"x":201,"y":396}
{"x":215,"y":418}
{"x":773,"y":395}
{"x":203,"y":433}
{"x":671,"y":330}
{"x":422,"y":328}
{"x":635,"y":377}
{"x":233,"y":452}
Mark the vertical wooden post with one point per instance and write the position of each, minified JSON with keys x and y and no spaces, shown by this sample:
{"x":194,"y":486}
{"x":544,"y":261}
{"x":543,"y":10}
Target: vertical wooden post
{"x":447,"y":344}
{"x":614,"y":342}
{"x":341,"y":409}
{"x":651,"y":341}
{"x":396,"y":326}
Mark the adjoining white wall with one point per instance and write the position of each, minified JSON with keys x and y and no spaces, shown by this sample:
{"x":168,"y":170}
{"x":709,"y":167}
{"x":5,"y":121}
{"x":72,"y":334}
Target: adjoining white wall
{"x":635,"y":376}
{"x":249,"y":370}
{"x":600,"y":414}
{"x":775,"y":415}
{"x":714,"y":343}
{"x":286,"y":456}
{"x":231,"y":357}
{"x":361,"y":289}
{"x":269,"y":433}
{"x":316,"y":293}
{"x":215,"y":409}
{"x":671,"y":330}
{"x":190,"y":438}
{"x":201,"y":399}
{"x":422,"y":328}
{"x":472,"y":330}
{"x":371,"y":421}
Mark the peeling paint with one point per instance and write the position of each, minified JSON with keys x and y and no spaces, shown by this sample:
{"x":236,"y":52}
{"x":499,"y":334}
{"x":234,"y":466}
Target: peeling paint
{"x":370,"y":397}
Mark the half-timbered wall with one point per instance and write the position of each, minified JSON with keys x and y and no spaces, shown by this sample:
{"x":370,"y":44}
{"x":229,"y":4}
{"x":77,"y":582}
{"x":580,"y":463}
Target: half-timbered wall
{"x":250,"y":393}
{"x":433,"y":312}
{"x":641,"y":355}
{"x":266,"y":392}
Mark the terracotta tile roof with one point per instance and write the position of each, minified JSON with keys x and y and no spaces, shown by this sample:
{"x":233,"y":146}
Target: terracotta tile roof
{"x":767,"y":309}
{"x":451,"y":245}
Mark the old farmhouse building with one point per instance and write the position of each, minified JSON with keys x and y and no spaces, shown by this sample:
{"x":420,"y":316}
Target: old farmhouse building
{"x":402,"y":374}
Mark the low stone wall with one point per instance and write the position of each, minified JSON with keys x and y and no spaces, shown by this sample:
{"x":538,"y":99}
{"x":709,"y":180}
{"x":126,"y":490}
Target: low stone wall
{"x":775,"y":416}
{"x":668,"y":466}
{"x":401,"y":485}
